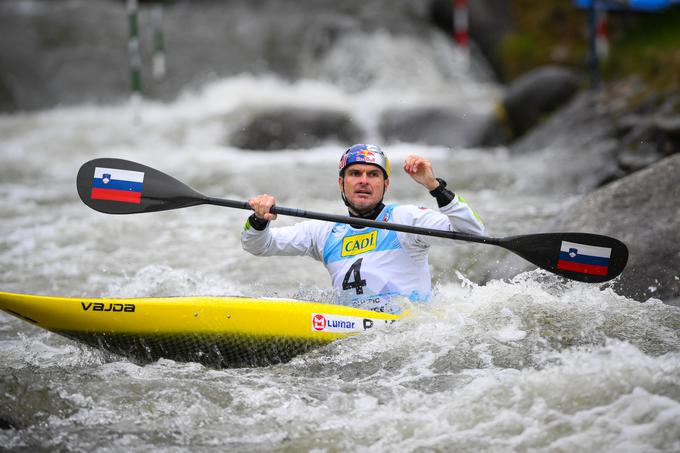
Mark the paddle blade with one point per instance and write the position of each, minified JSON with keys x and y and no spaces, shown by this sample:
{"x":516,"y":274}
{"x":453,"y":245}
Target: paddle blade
{"x":117,"y":186}
{"x":584,"y":257}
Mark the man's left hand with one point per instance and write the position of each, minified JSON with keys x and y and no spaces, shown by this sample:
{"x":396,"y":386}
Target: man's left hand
{"x":420,"y":169}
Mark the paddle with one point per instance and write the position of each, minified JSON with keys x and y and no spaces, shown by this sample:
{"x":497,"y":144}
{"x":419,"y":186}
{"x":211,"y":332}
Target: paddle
{"x":117,"y":186}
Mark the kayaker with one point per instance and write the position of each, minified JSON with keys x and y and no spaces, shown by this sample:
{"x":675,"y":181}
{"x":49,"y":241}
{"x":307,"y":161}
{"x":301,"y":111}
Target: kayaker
{"x":370,"y":268}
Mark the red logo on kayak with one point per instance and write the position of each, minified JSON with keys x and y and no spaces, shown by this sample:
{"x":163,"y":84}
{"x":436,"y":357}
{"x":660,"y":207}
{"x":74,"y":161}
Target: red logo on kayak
{"x":318,"y":322}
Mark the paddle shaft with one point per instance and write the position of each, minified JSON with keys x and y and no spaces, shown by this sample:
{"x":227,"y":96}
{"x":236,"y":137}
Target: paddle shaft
{"x":542,"y":250}
{"x":579,"y":256}
{"x":358,"y":221}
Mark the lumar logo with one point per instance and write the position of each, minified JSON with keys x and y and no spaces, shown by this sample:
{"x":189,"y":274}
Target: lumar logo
{"x":98,"y":306}
{"x":359,"y":243}
{"x":343,"y":324}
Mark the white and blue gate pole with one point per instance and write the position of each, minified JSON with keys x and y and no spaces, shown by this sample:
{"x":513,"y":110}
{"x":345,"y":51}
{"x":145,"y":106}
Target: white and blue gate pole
{"x":158,"y":70}
{"x":134,"y":56}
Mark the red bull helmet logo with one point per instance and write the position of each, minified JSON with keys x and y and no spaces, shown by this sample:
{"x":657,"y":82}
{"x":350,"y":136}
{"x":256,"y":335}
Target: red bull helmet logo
{"x":365,"y":154}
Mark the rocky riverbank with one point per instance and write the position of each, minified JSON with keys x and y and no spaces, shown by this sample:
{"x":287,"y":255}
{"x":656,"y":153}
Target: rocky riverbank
{"x":632,"y":187}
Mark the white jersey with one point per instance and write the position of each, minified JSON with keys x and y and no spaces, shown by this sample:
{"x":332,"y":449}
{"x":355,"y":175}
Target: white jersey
{"x":369,"y":267}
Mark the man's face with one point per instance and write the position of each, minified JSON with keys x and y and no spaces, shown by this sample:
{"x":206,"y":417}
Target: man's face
{"x":364,"y":185}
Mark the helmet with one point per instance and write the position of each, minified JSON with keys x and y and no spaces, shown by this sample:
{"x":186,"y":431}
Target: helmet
{"x":365,"y":154}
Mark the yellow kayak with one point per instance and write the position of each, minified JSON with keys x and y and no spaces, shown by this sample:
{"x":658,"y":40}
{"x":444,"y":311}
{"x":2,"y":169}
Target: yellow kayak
{"x":216,"y":331}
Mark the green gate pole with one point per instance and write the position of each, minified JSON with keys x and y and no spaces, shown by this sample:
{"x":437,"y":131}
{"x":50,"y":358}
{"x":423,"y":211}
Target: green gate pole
{"x":133,"y":49}
{"x":158,"y":44}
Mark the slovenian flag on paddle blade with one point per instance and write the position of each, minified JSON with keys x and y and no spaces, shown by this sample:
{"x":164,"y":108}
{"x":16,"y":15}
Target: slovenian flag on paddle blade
{"x":585,"y":259}
{"x":117,"y":185}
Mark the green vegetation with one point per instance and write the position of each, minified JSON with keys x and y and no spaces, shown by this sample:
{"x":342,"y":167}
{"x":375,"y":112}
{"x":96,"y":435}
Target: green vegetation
{"x":550,"y":31}
{"x":555,"y":32}
{"x":650,"y":48}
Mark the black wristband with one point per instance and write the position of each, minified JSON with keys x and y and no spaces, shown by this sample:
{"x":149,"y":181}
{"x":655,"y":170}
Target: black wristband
{"x":257,"y":223}
{"x":437,"y":190}
{"x":442,"y":194}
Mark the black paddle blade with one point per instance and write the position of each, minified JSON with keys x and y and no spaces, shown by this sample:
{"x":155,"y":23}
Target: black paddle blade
{"x":118,"y":186}
{"x":584,"y":257}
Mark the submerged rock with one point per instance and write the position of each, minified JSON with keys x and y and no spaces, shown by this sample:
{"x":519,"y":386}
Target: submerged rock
{"x":294,"y":128}
{"x":537,"y":93}
{"x":540,"y":97}
{"x":437,"y":126}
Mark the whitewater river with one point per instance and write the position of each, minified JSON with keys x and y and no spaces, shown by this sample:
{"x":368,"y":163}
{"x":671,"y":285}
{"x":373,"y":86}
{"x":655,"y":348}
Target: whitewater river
{"x":533,"y":364}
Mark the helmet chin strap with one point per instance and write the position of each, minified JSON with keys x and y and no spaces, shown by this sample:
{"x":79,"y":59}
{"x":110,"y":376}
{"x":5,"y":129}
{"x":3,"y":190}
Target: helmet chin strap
{"x":368,"y":213}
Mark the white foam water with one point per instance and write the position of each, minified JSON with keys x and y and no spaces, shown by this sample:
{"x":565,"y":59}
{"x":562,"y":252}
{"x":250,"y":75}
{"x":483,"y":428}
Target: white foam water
{"x":531,"y":364}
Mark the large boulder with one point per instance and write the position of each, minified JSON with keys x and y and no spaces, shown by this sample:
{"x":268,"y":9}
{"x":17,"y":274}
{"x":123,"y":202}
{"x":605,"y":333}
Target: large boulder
{"x":294,"y":128}
{"x":537,"y":96}
{"x":642,"y":210}
{"x":622,"y":129}
{"x":650,"y":133}
{"x":537,"y":93}
{"x":437,"y":126}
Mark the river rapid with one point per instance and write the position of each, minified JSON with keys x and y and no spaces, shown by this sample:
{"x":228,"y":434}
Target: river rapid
{"x":532,"y":364}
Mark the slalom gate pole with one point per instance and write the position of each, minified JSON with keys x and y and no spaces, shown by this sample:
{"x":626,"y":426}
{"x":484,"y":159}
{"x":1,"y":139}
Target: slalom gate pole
{"x":460,"y":30}
{"x":158,"y":41}
{"x":134,"y":56}
{"x":460,"y":23}
{"x":602,"y":38}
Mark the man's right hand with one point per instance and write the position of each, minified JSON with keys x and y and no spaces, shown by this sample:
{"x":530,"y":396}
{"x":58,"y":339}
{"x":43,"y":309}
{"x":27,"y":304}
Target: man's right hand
{"x":262,"y":204}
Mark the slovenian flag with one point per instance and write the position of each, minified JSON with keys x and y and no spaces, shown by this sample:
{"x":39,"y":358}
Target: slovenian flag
{"x":117,"y":185}
{"x":585,"y":259}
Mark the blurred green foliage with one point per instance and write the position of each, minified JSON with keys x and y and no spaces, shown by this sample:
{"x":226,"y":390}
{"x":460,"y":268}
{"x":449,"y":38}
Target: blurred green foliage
{"x":651,"y":48}
{"x":555,"y":32}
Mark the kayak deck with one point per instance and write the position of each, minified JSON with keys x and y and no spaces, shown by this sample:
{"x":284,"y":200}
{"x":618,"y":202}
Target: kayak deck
{"x":215,"y":331}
